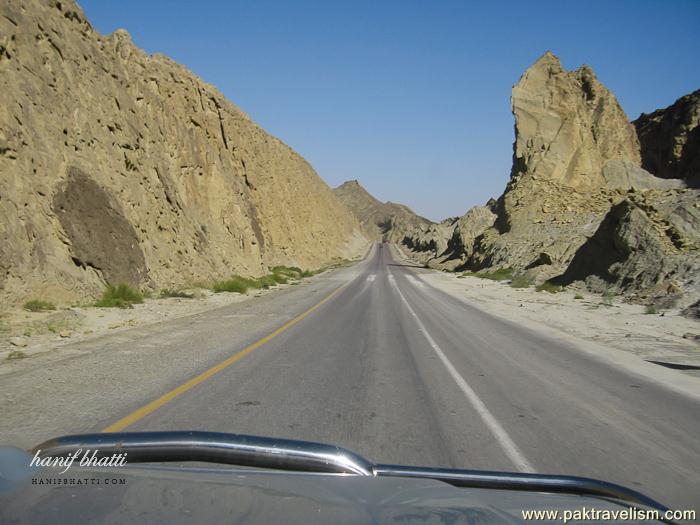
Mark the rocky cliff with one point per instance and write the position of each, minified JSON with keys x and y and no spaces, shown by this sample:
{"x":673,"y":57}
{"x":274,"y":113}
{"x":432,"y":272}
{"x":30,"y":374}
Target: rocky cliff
{"x":390,"y":221}
{"x":670,"y":140}
{"x":568,"y":126}
{"x":117,"y":166}
{"x":579,"y":206}
{"x":465,"y":231}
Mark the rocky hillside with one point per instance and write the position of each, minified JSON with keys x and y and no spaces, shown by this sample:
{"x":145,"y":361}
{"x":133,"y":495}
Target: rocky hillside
{"x":117,"y":166}
{"x":579,"y":206}
{"x":670,"y":140}
{"x":390,"y":221}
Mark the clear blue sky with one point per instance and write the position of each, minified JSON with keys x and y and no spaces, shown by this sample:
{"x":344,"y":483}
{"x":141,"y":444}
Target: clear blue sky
{"x":411,"y":97}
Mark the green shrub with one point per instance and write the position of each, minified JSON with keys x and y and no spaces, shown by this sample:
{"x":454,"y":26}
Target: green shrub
{"x":120,"y":296}
{"x":288,"y":271}
{"x":279,"y":278}
{"x":16,"y":354}
{"x":35,"y":305}
{"x":291,"y":272}
{"x":502,"y":274}
{"x":521,"y":281}
{"x":548,"y":287}
{"x":167,"y":292}
{"x":278,"y":275}
{"x":266,"y":281}
{"x":651,"y":309}
{"x":236,"y":284}
{"x":578,"y":296}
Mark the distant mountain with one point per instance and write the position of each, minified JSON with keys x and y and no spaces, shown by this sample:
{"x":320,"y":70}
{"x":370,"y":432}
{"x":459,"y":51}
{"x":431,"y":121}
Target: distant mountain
{"x":387,"y":221}
{"x":397,"y":223}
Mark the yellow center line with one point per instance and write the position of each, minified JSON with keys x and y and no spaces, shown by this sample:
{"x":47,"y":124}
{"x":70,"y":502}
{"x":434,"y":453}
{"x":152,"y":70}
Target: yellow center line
{"x":169,"y":396}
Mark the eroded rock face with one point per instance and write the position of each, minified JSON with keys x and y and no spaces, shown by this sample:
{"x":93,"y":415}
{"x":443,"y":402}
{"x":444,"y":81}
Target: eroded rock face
{"x":623,"y":175}
{"x":648,"y":243}
{"x":568,"y":125}
{"x":579,"y":207}
{"x":670,"y":140}
{"x":464,"y":231}
{"x":120,"y":166}
{"x":429,"y":242}
{"x":575,"y":154}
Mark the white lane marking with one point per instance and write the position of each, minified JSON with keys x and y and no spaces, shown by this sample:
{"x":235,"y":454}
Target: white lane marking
{"x":507,"y":444}
{"x":371,"y":278}
{"x":415,"y":281}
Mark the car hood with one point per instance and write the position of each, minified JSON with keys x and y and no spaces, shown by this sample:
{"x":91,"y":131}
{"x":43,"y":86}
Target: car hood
{"x":187,"y":494}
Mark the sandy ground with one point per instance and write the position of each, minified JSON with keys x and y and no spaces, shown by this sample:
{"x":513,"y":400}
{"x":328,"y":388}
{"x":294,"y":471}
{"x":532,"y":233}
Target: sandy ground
{"x":608,"y":321}
{"x":24,"y":333}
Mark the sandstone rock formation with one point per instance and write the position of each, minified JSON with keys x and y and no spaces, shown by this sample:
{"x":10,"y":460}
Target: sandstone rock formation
{"x":429,"y":242}
{"x":117,"y":166}
{"x":387,"y":221}
{"x":648,"y":243}
{"x":568,"y":126}
{"x":457,"y":236}
{"x":579,"y":207}
{"x":670,"y":140}
{"x":574,"y":150}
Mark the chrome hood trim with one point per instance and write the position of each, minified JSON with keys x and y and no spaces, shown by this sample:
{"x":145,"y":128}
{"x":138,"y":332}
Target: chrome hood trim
{"x":306,"y":456}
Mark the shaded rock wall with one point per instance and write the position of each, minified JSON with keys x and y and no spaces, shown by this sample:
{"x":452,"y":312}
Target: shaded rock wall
{"x":646,"y":240}
{"x":99,"y":235}
{"x":670,"y":140}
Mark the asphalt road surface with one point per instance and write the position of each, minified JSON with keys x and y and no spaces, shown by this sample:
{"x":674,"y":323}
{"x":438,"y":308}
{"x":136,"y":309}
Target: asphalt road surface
{"x":403,"y":373}
{"x":373,"y":359}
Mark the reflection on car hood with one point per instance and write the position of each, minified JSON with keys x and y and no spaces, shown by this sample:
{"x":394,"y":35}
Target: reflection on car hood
{"x":167,"y":494}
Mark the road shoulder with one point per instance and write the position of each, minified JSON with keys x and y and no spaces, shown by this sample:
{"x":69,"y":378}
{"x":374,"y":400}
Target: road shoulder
{"x":618,"y":333}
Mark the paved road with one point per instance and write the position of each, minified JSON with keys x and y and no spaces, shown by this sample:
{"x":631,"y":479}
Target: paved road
{"x":403,"y":373}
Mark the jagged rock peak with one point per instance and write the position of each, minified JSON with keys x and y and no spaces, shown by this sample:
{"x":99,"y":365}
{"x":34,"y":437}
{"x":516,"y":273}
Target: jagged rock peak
{"x":568,"y":125}
{"x":547,"y":60}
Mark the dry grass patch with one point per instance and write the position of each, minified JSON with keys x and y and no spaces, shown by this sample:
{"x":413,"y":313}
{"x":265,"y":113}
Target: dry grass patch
{"x":37,"y":305}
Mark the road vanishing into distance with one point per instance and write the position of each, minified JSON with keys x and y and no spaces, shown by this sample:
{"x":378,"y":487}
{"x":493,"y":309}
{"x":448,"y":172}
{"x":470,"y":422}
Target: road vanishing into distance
{"x":374,"y":359}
